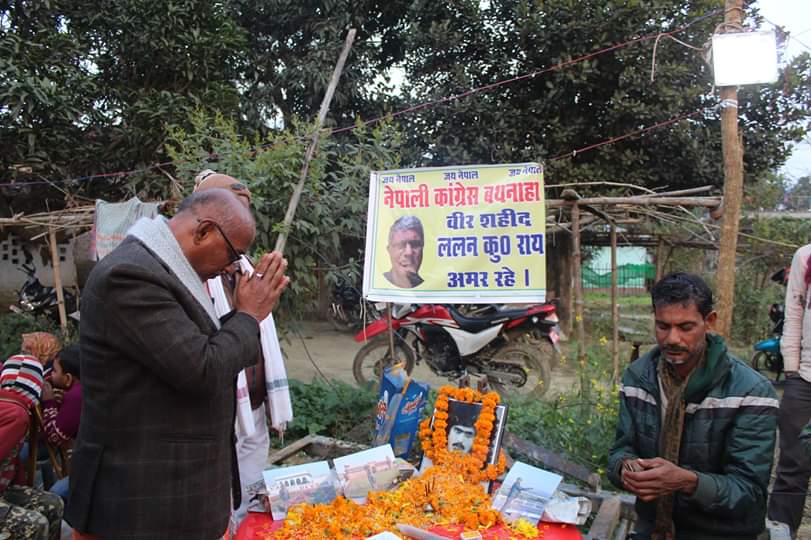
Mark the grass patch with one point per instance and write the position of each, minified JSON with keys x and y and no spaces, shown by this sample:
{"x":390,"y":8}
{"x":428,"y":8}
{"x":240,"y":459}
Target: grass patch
{"x":604,"y":299}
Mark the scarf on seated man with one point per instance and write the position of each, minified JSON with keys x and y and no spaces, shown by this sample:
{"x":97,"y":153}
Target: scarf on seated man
{"x":672,"y":388}
{"x":278,"y":391}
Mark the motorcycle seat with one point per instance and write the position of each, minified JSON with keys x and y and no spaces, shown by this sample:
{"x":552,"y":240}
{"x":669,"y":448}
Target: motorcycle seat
{"x":479,"y":323}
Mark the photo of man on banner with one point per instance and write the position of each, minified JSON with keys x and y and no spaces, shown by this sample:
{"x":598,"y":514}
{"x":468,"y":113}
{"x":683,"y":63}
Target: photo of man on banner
{"x":406,"y":242}
{"x":485,"y":227}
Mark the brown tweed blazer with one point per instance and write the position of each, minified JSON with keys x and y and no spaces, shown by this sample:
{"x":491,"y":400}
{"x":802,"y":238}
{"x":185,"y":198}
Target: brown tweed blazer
{"x":154,"y":458}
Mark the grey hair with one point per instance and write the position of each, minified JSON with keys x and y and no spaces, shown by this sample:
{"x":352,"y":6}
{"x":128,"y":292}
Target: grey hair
{"x":406,"y":223}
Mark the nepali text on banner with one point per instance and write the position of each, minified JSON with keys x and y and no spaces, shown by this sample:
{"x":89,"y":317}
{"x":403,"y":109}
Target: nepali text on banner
{"x":461,"y":234}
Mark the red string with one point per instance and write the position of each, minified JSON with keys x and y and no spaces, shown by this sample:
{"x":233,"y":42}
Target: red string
{"x":428,"y":104}
{"x":628,"y":135}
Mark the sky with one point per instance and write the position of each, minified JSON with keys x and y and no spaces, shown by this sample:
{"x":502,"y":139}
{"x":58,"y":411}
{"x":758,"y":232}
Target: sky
{"x":794,"y":16}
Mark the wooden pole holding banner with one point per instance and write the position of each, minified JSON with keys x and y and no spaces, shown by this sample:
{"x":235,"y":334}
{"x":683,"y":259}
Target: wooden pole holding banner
{"x":322,"y":114}
{"x":580,"y":329}
{"x":57,"y":268}
{"x":573,"y":198}
{"x":391,"y":341}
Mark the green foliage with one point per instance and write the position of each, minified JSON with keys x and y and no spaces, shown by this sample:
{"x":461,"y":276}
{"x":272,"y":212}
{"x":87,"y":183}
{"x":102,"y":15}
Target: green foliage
{"x":798,"y":195}
{"x":13,"y":326}
{"x":88,"y":86}
{"x":750,"y":316}
{"x":292,"y":50}
{"x":329,"y":224}
{"x":767,"y":193}
{"x":786,"y":235}
{"x":754,"y":290}
{"x":460,"y":45}
{"x":331,"y":409}
{"x":580,"y":422}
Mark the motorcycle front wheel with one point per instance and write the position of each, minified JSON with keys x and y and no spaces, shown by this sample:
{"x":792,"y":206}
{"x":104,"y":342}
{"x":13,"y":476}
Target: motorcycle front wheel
{"x":373,"y":357}
{"x":535,"y":365}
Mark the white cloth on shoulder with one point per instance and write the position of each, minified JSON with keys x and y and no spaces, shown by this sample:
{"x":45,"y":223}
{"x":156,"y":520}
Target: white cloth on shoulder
{"x":244,"y":414}
{"x":276,"y":385}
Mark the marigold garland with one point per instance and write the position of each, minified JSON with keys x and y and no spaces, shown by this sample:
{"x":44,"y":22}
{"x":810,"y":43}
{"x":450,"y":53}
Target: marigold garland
{"x":434,"y":440}
{"x":437,"y":497}
{"x":448,"y":493}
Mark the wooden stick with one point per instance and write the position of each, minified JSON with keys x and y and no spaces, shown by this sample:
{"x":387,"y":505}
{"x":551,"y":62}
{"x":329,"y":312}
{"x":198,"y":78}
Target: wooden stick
{"x":690,"y":191}
{"x":391,"y":343}
{"x":602,"y":528}
{"x":322,"y":114}
{"x":57,"y":269}
{"x":290,"y":449}
{"x":578,"y":282}
{"x":615,"y":308}
{"x":641,"y":200}
{"x":660,"y":259}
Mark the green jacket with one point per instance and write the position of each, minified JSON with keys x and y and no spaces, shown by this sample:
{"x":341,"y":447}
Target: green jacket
{"x":728,"y":440}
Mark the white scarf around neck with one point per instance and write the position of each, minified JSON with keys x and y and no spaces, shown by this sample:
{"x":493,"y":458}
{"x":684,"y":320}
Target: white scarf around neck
{"x":157,"y":236}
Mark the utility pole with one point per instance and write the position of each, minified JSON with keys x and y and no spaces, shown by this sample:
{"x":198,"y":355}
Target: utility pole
{"x":733,"y":186}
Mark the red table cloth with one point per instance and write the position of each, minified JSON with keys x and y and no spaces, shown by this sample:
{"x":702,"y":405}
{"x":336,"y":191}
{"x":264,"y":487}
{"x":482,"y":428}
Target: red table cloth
{"x":260,"y":526}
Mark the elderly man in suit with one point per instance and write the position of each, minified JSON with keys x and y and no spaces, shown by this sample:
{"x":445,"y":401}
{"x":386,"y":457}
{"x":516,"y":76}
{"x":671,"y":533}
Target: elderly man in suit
{"x":155,"y":458}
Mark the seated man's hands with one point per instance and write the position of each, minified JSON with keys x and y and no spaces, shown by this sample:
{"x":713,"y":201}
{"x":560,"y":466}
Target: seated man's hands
{"x":258,"y":293}
{"x":650,"y":479}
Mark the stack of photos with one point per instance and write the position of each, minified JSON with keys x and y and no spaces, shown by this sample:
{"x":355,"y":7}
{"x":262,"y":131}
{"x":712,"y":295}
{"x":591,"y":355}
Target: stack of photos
{"x":311,"y":483}
{"x":525,"y":492}
{"x":462,"y":416}
{"x":370,"y":470}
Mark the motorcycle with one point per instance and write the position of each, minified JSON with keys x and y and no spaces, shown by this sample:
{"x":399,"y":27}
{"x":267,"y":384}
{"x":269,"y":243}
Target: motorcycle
{"x":514,"y":348}
{"x":348,"y":310}
{"x":767,"y":355}
{"x":37,"y":299}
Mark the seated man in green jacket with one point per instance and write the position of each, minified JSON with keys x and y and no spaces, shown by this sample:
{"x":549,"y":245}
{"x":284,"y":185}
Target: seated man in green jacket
{"x":696,"y":430}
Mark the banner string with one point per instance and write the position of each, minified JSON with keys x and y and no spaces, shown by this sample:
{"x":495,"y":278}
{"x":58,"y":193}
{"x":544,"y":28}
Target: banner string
{"x":421,"y":106}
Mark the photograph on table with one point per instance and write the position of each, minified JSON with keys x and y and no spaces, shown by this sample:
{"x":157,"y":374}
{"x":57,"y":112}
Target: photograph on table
{"x":312,"y":483}
{"x":525,"y":492}
{"x":462,"y":417}
{"x":370,"y":470}
{"x":461,"y":430}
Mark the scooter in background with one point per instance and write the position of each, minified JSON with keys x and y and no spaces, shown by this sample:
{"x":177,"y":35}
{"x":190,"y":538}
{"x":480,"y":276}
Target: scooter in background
{"x":767,"y":358}
{"x":37,"y":299}
{"x":348,"y":309}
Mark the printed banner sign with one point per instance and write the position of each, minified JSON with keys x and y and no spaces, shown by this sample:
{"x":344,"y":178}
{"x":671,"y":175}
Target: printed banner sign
{"x":462,"y":234}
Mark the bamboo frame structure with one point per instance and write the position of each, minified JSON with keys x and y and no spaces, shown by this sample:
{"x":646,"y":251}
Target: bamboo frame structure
{"x":630,"y":215}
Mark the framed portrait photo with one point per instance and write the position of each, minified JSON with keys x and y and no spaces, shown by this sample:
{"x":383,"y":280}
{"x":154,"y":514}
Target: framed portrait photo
{"x":461,"y":430}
